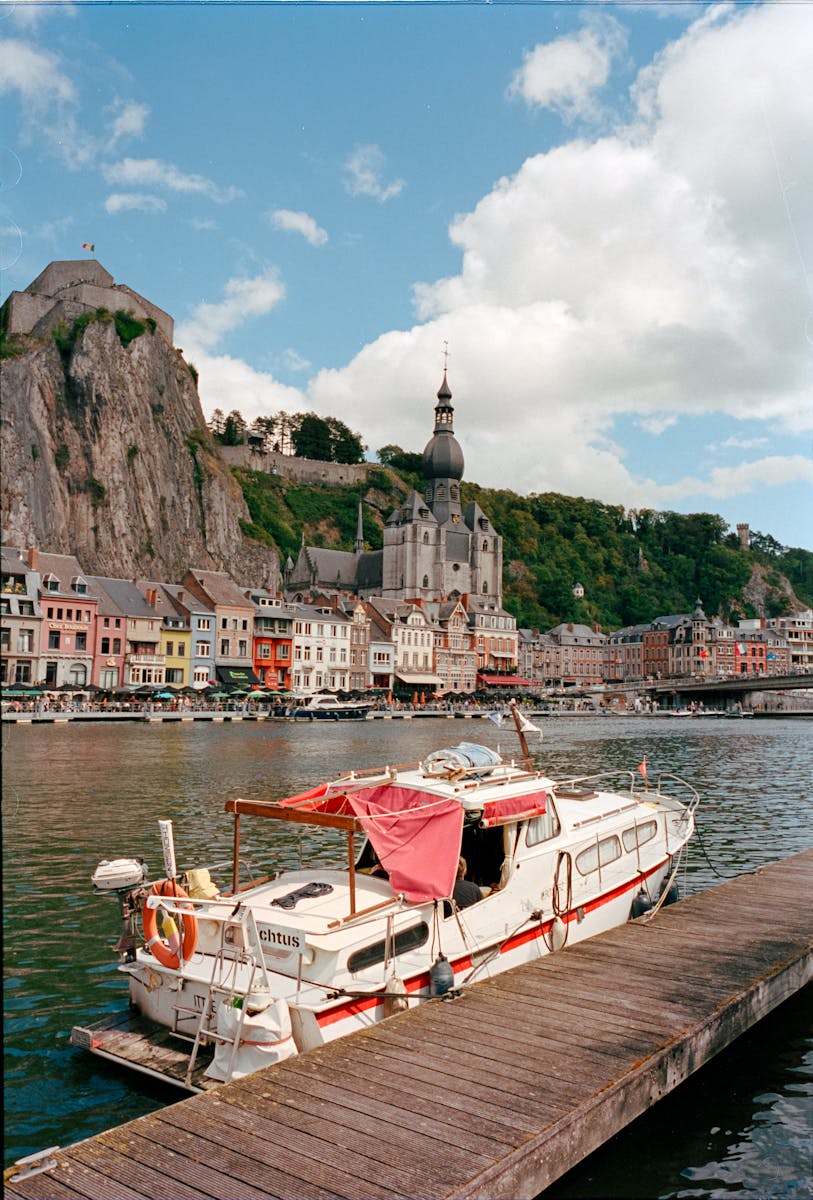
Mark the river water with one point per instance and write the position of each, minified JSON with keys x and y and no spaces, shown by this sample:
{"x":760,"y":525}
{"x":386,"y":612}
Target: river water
{"x":74,"y":794}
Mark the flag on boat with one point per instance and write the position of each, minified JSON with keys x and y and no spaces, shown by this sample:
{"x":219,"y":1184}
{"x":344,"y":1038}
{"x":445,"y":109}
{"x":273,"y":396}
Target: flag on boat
{"x":642,"y":769}
{"x":88,"y":246}
{"x":496,"y":717}
{"x":526,"y":726}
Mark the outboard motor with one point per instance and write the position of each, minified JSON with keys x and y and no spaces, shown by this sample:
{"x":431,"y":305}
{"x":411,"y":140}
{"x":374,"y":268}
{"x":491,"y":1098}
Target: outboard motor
{"x":123,"y":878}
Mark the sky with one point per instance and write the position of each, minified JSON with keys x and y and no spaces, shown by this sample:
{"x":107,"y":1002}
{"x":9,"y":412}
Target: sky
{"x":601,"y":213}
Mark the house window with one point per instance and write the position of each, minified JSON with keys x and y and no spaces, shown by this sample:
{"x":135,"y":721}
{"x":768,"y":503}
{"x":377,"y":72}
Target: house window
{"x":201,"y":675}
{"x":25,"y":641}
{"x":283,"y":651}
{"x":117,"y":645}
{"x":78,"y":676}
{"x":53,"y":639}
{"x":22,"y":672}
{"x":201,"y":649}
{"x":170,"y":648}
{"x":204,"y":624}
{"x":242,"y":648}
{"x":224,"y":647}
{"x":81,"y":641}
{"x":181,"y":649}
{"x":263,"y":650}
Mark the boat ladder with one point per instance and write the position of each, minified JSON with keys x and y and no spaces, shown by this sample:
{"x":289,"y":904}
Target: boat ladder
{"x":226,"y":970}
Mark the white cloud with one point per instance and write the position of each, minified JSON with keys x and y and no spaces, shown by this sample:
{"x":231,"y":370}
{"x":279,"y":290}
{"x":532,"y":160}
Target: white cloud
{"x":564,"y":75}
{"x":153,"y":172}
{"x":48,"y":101}
{"x":363,"y":174}
{"x":298,"y":222}
{"x":227,"y":383}
{"x":244,"y":299}
{"x":646,"y":273}
{"x":134,"y":202}
{"x":27,"y":13}
{"x":130,"y":121}
{"x":657,"y":423}
{"x":773,"y":471}
{"x":739,"y":443}
{"x":203,"y":224}
{"x":294,"y":361}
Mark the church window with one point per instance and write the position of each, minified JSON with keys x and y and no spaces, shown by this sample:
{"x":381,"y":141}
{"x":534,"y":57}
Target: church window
{"x":426,"y":581}
{"x":485,"y":592}
{"x":441,"y":492}
{"x":485,"y":544}
{"x":454,"y":491}
{"x":426,"y":537}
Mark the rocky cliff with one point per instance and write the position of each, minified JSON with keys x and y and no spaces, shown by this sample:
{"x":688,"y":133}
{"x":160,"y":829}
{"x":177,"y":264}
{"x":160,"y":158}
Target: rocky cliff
{"x":106,"y":455}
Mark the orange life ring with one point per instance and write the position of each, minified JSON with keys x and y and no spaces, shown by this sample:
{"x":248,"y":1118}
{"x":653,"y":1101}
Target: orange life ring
{"x":153,"y":940}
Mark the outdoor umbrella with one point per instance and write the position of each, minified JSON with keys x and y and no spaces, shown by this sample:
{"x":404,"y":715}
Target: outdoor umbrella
{"x":216,"y":695}
{"x":164,"y":695}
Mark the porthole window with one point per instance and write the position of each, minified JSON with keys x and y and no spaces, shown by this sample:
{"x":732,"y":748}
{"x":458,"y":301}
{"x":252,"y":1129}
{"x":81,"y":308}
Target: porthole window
{"x":645,"y":833}
{"x":405,"y":940}
{"x":606,"y":852}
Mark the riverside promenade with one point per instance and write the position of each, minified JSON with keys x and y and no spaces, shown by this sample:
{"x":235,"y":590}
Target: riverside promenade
{"x":496,"y":1093}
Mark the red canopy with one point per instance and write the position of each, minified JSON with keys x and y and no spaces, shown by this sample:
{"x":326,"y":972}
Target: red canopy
{"x":416,"y":836}
{"x":503,"y":681}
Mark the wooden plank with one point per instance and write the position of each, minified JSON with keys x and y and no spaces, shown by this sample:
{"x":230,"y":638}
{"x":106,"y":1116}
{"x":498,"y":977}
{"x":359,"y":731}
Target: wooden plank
{"x":125,"y":1168}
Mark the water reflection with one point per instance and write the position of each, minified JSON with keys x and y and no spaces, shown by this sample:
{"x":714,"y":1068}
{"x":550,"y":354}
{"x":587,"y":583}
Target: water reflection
{"x":75,"y":794}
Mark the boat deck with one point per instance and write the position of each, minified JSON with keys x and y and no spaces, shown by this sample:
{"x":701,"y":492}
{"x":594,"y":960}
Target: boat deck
{"x":497,"y":1093}
{"x":130,"y":1040}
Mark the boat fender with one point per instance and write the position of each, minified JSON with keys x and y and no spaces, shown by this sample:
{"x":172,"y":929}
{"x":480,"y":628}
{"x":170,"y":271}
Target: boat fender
{"x":558,"y":934}
{"x":671,"y":894}
{"x":169,"y":951}
{"x":248,"y":1041}
{"x":396,"y":1000}
{"x":640,"y":905}
{"x":441,"y":976}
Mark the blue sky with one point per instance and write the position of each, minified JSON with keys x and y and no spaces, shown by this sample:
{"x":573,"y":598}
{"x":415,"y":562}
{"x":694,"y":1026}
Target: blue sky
{"x":604,"y":209}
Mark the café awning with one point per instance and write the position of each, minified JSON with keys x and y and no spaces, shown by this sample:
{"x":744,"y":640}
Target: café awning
{"x":238,"y":677}
{"x":418,"y":680}
{"x":503,"y":681}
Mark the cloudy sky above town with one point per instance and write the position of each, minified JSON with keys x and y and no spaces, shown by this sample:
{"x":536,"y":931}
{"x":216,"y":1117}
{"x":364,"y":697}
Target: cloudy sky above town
{"x":604,"y":211}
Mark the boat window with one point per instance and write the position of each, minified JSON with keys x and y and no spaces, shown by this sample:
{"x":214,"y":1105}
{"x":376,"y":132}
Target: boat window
{"x":405,"y":939}
{"x":543,"y":827}
{"x":645,"y":833}
{"x":606,"y":852}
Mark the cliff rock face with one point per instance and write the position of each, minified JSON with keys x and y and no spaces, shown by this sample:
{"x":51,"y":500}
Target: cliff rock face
{"x":106,"y":456}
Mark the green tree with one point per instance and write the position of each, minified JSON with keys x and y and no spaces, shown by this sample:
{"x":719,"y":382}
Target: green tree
{"x":234,"y":430}
{"x":311,"y":437}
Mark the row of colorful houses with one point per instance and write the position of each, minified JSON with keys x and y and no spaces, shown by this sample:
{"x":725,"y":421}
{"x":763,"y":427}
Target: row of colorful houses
{"x":62,"y":627}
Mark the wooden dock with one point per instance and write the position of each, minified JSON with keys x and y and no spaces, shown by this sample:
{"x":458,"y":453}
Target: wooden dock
{"x":494,"y":1094}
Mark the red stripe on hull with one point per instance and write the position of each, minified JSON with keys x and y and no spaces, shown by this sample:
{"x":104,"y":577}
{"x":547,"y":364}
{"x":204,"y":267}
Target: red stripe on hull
{"x":417,"y":982}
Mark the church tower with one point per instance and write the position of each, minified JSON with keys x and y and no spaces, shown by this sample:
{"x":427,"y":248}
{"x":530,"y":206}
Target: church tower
{"x":442,"y":462}
{"x":433,"y":548}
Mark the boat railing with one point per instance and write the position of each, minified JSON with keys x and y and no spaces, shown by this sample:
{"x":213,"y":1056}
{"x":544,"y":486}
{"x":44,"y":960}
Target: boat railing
{"x":639,"y":788}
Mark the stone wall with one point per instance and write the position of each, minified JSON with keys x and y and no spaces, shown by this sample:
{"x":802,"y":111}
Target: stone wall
{"x":300,"y":470}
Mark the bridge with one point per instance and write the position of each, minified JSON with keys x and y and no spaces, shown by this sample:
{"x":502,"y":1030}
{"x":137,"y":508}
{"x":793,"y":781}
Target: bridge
{"x":722,"y":690}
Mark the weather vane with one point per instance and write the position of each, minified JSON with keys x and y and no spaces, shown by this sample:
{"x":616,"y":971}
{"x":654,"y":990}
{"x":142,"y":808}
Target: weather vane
{"x":445,"y":355}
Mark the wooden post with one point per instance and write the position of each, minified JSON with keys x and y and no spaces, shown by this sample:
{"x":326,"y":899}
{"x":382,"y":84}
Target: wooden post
{"x":236,"y":864}
{"x":351,"y":857}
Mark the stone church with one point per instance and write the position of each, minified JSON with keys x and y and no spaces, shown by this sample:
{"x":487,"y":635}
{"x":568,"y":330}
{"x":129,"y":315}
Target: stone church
{"x":434,"y":548}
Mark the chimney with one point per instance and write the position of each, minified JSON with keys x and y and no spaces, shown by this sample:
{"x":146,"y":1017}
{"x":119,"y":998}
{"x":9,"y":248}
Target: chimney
{"x":33,"y":557}
{"x":152,"y":597}
{"x":181,"y":595}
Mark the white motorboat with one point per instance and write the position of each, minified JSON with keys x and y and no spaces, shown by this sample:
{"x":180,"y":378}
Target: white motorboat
{"x":326,"y":707}
{"x":228,"y":977}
